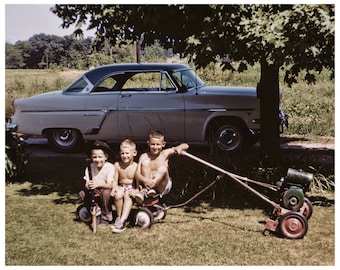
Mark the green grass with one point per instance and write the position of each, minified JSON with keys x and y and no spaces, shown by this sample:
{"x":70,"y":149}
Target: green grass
{"x":40,"y":231}
{"x":222,"y":227}
{"x":311,"y":108}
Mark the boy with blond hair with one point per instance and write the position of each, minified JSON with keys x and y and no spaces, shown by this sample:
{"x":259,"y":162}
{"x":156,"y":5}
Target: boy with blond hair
{"x":124,"y":185}
{"x":153,"y":168}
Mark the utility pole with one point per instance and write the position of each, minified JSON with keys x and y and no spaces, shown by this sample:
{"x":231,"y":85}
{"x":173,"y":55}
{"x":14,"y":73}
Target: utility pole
{"x":138,"y":45}
{"x":138,"y":50}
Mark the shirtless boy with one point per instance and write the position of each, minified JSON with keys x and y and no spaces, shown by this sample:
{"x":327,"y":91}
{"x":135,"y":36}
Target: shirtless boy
{"x":124,"y":185}
{"x":152,"y":169}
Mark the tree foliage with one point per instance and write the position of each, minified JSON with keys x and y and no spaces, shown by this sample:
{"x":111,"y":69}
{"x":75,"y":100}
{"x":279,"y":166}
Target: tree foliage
{"x":16,"y":156}
{"x":49,"y":51}
{"x":297,"y":36}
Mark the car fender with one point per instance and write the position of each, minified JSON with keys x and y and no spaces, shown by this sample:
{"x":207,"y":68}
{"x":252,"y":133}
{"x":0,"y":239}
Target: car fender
{"x":217,"y":118}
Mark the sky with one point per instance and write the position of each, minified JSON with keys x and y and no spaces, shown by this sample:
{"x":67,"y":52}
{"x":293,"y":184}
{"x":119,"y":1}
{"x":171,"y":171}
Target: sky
{"x":22,"y":21}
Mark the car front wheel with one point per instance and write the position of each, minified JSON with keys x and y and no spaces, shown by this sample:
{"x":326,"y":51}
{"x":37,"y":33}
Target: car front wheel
{"x":64,"y":139}
{"x":229,"y":137}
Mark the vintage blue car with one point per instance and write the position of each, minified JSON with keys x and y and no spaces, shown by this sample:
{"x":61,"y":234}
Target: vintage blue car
{"x":120,"y":101}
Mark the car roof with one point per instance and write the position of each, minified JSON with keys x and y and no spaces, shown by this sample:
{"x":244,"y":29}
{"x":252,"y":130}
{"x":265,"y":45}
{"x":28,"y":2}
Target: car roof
{"x":97,"y":73}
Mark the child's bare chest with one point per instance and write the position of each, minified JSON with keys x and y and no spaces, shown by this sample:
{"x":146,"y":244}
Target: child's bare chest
{"x":127,"y":173}
{"x":158,"y":162}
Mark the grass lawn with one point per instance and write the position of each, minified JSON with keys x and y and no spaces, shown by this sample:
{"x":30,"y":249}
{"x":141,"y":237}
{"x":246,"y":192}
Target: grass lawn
{"x":41,"y":228}
{"x":42,"y":231}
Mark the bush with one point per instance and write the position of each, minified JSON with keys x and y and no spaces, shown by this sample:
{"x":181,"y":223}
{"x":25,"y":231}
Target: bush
{"x":17,"y":156}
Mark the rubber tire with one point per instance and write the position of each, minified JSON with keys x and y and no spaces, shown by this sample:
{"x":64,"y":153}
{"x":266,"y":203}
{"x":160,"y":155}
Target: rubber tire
{"x":144,"y":218}
{"x":308,"y":211}
{"x":83,"y":214}
{"x":160,"y":215}
{"x":229,"y":137}
{"x":64,"y":139}
{"x":293,"y":225}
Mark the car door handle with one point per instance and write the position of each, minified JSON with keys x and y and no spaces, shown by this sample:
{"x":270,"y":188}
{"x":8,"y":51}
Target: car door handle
{"x":108,"y":111}
{"x":125,"y":95}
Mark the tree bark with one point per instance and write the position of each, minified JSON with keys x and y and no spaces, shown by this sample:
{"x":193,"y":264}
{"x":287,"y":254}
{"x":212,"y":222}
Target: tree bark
{"x":138,"y":51}
{"x":269,"y":94}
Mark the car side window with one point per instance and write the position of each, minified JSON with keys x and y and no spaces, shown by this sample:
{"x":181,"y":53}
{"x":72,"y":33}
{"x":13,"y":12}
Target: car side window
{"x":106,"y":85}
{"x":148,"y":81}
{"x":166,"y":83}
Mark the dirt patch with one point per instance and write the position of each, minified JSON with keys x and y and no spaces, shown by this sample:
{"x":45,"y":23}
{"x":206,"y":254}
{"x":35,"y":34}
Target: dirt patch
{"x":315,"y":142}
{"x":312,"y":153}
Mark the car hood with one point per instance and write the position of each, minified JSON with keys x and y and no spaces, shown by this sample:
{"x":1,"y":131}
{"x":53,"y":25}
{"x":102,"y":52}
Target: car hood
{"x":222,"y":97}
{"x":228,"y":90}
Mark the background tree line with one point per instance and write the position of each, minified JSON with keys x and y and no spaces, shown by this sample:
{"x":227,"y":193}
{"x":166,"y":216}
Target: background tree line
{"x":50,"y":51}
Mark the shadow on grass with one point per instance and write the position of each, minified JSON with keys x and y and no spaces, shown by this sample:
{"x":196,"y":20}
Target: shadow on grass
{"x":183,"y":218}
{"x":63,"y":175}
{"x":60,"y":175}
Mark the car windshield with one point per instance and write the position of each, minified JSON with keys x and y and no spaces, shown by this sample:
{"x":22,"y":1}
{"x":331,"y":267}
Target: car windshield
{"x":187,"y":79}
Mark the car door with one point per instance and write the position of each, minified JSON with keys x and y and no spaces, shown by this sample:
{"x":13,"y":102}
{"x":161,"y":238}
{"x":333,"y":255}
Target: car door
{"x":148,"y":101}
{"x":101,"y":114}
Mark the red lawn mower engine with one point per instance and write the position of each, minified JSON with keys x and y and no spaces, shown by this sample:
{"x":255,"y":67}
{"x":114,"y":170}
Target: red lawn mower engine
{"x":293,"y":188}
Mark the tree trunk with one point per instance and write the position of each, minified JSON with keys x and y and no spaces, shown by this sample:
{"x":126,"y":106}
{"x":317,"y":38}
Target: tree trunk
{"x":138,"y":50}
{"x":268,"y":92}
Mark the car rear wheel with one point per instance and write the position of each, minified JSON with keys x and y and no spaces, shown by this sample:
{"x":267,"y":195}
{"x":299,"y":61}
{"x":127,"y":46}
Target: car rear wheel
{"x":64,"y":139}
{"x":229,"y":137}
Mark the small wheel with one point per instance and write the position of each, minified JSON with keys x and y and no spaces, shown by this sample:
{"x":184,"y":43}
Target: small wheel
{"x":307,"y":208}
{"x":144,"y":218}
{"x":64,"y":139}
{"x":266,"y":232}
{"x":293,"y":225}
{"x":159,"y":213}
{"x":83,"y":214}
